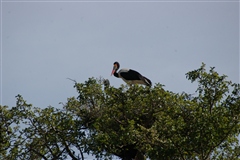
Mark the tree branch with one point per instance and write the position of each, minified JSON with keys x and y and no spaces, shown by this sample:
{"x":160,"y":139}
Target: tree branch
{"x":68,"y":151}
{"x":39,"y":154}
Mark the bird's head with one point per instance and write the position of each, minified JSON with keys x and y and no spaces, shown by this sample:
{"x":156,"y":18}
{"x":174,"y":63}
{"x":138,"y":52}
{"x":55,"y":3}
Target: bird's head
{"x":116,"y":66}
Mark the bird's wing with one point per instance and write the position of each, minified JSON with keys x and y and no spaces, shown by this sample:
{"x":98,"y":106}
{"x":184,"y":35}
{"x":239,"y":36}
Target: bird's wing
{"x":147,"y":81}
{"x":131,"y":75}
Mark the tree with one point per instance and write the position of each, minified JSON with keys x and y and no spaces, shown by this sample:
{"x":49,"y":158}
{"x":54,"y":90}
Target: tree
{"x":133,"y":122}
{"x":6,"y":130}
{"x":48,"y":133}
{"x":160,"y":124}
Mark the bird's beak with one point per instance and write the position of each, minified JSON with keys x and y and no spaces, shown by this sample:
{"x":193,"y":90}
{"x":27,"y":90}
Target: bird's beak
{"x":114,"y":69}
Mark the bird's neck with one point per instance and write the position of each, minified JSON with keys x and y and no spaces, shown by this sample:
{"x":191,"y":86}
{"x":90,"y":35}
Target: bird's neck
{"x":116,"y":74}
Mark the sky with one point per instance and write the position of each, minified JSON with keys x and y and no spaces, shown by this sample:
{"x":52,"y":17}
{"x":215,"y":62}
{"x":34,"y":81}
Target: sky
{"x":45,"y":42}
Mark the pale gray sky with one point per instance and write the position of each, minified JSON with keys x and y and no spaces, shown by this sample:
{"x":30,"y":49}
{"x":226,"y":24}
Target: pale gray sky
{"x":44,"y":42}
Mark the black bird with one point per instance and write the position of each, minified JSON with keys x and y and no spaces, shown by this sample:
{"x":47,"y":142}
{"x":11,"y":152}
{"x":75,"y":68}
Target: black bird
{"x":130,"y":76}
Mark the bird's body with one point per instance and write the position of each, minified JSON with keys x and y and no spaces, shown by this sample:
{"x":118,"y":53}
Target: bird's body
{"x":130,"y":76}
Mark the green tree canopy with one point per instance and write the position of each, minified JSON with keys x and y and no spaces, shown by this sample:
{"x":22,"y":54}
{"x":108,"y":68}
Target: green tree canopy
{"x":133,"y":122}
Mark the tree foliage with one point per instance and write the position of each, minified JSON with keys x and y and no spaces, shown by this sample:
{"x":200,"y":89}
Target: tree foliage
{"x":133,"y":122}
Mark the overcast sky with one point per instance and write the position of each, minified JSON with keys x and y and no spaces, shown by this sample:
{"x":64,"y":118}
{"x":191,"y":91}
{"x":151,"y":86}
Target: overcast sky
{"x":43,"y":43}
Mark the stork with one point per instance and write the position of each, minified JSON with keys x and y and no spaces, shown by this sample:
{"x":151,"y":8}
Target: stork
{"x":130,"y":76}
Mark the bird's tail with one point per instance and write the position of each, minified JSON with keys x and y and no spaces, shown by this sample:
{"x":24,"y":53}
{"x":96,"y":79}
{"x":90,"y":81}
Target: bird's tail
{"x":147,"y":81}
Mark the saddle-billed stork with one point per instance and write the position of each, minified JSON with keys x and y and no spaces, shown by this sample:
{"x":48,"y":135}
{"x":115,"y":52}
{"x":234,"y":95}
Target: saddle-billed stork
{"x":130,"y":76}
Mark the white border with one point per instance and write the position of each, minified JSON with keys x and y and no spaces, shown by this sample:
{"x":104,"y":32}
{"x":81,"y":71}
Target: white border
{"x":117,"y":1}
{"x":1,"y":66}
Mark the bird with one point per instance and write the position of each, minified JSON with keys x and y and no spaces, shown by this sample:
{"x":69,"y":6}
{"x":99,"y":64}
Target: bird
{"x":130,"y":76}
